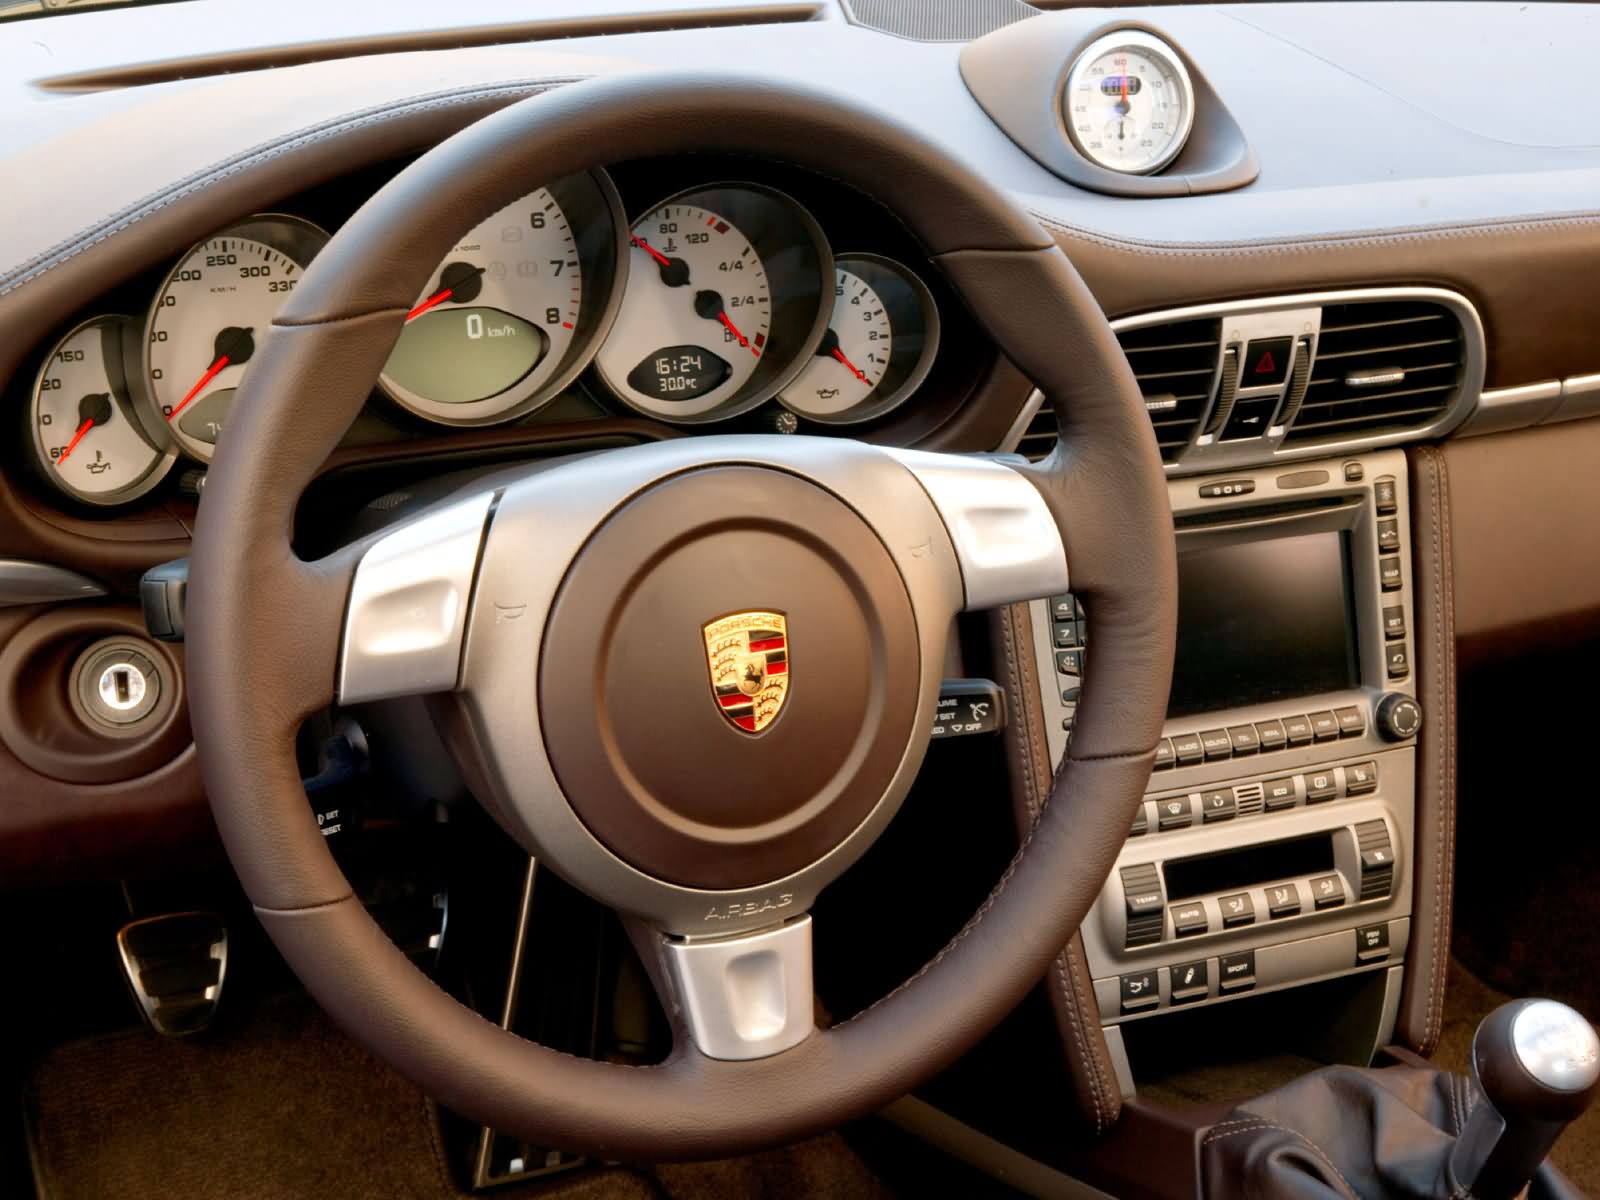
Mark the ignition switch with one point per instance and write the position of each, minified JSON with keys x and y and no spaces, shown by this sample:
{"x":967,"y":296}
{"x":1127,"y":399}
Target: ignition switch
{"x":117,"y":685}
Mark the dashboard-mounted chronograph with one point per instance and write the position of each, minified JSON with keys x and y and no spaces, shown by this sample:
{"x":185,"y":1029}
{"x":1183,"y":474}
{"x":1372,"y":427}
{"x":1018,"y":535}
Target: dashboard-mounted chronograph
{"x":724,"y":302}
{"x":1129,"y":103}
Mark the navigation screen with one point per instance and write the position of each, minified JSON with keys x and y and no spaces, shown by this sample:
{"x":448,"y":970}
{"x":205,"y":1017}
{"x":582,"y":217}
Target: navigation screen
{"x":1264,"y":620}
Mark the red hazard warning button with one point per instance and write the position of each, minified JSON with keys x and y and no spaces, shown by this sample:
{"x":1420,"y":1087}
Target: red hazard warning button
{"x":1265,"y":362}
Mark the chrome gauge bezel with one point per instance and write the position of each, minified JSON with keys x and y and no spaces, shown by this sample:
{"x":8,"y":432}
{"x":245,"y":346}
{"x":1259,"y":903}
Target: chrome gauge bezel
{"x":909,"y":360}
{"x":599,"y":225}
{"x":133,"y":407}
{"x":800,"y":289}
{"x":294,"y":237}
{"x":1150,"y":44}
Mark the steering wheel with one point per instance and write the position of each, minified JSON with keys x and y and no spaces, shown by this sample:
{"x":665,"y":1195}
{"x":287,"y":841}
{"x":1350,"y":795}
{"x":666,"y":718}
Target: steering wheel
{"x":564,"y":617}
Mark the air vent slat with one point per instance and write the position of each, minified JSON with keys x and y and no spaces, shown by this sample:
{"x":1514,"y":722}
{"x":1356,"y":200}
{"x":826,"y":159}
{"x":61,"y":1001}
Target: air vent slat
{"x":1380,"y":365}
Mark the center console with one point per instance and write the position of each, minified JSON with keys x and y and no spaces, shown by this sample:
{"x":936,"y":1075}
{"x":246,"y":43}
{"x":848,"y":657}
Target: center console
{"x":1273,"y":846}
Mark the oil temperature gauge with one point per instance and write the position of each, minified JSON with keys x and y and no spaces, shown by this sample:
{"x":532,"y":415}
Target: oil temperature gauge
{"x":87,"y":434}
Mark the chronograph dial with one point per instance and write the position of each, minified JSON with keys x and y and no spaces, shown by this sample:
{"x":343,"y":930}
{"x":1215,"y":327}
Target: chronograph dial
{"x":1129,"y":103}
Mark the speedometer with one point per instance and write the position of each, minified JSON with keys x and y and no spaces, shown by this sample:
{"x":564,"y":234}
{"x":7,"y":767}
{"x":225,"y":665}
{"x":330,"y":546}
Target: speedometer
{"x":211,"y":313}
{"x":1128,"y":103}
{"x":516,"y":309}
{"x":724,"y":302}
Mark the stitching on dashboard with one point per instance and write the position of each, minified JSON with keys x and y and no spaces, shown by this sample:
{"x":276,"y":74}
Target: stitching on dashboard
{"x":92,"y":235}
{"x":1322,"y":242}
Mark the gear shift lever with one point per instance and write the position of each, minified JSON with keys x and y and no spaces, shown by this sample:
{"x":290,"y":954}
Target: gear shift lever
{"x":1536,"y":1063}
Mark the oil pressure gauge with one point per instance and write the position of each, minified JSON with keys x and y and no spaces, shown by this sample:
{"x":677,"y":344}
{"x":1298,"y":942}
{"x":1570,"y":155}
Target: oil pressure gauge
{"x":1129,"y":104}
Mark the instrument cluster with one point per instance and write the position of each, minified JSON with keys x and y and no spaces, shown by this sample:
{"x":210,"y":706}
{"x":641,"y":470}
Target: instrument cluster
{"x":715,"y":300}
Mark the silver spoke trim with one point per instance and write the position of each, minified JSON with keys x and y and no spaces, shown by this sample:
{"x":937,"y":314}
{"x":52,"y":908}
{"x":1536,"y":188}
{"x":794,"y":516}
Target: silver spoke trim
{"x":1005,"y":538}
{"x":408,"y":605}
{"x":745,"y":997}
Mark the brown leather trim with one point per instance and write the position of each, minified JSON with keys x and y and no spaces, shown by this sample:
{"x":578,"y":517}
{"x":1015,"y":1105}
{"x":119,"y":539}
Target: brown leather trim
{"x":1534,"y":281}
{"x":1094,"y":1082}
{"x":1433,"y":856}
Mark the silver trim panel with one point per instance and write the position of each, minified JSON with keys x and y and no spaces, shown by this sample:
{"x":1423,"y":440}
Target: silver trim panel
{"x":408,"y":605}
{"x":1505,"y":408}
{"x":1005,"y":538}
{"x":23,"y":582}
{"x":745,"y":997}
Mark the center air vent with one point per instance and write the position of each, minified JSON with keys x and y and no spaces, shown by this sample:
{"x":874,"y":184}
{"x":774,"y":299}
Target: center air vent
{"x":1380,"y":365}
{"x":1176,"y":367}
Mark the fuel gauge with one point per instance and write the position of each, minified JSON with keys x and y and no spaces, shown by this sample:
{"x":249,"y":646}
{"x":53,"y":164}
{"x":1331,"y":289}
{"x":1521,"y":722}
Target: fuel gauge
{"x":86,"y":431}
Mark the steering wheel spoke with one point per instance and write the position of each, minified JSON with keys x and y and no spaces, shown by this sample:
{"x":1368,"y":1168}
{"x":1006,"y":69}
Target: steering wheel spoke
{"x":741,"y":997}
{"x":1007,"y":542}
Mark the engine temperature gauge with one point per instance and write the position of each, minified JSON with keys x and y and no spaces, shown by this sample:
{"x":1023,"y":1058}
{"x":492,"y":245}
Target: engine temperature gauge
{"x":1128,"y":103}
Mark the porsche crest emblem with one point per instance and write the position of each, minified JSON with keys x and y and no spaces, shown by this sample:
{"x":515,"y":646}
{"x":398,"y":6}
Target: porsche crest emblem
{"x":748,"y":654}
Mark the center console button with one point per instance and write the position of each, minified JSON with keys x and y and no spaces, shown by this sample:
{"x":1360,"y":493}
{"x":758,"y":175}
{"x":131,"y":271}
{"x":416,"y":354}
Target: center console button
{"x":1174,"y":812}
{"x":1383,"y":495}
{"x":1397,"y":660}
{"x":1217,"y":806}
{"x":1189,"y":982}
{"x":1066,"y":635}
{"x":1388,"y":536}
{"x":1141,"y":823}
{"x":1061,"y":608}
{"x":1372,"y":943}
{"x":1327,"y":891}
{"x":1360,"y":778}
{"x":1283,"y":900}
{"x":1189,"y":748}
{"x":1394,"y":622}
{"x":1237,"y":910}
{"x":1324,"y":726}
{"x":1321,"y":785}
{"x":1069,"y":662}
{"x":1352,"y":721}
{"x":1165,"y":755}
{"x":1189,"y":919}
{"x":1389,"y":574}
{"x":1217,"y":743}
{"x":1297,"y":730}
{"x":1244,"y":739}
{"x":1271,"y":735}
{"x":1266,"y":361}
{"x":1140,"y":991}
{"x":1277,"y":793}
{"x":1236,"y":972}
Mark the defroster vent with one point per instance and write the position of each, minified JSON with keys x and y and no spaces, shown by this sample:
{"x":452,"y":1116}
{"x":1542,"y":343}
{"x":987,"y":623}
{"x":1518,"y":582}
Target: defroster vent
{"x":1381,"y":365}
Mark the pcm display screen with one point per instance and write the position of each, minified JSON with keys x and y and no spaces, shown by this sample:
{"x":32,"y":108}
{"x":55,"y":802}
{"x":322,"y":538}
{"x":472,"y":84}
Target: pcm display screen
{"x":1262,"y":621}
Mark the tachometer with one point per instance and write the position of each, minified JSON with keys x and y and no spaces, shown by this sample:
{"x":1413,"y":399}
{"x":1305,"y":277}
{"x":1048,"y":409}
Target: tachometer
{"x":1128,"y":103}
{"x":86,"y":432}
{"x":723,"y":303}
{"x":516,"y":309}
{"x":881,"y":339}
{"x":209,"y":316}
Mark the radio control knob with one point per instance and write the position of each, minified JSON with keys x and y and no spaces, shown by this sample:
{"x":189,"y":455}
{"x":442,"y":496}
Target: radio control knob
{"x":1398,"y":717}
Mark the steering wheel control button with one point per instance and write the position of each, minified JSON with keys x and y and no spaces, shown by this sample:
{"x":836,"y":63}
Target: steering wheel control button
{"x":1278,"y":793}
{"x":1352,"y":721}
{"x":1327,"y":891}
{"x":1189,"y":982}
{"x":1062,"y":609}
{"x":1140,"y":992}
{"x":1175,"y":812}
{"x":746,"y":997}
{"x":1217,"y":744}
{"x":1189,"y":919}
{"x":408,"y":605}
{"x":1398,"y":717}
{"x":634,"y":722}
{"x":1266,"y":362}
{"x":1069,"y":662}
{"x":1236,"y":972}
{"x":1218,"y":805}
{"x":1238,"y":910}
{"x":968,"y":706}
{"x":1372,"y":943}
{"x":1189,"y":748}
{"x":1283,"y":900}
{"x":1271,"y":735}
{"x":1360,"y":778}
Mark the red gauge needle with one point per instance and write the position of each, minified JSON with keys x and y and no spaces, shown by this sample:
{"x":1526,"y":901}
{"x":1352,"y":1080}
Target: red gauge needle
{"x":211,"y":373}
{"x":437,"y":298}
{"x":1124,"y":86}
{"x":734,"y":329}
{"x":651,"y":251}
{"x":854,"y":370}
{"x":76,"y":438}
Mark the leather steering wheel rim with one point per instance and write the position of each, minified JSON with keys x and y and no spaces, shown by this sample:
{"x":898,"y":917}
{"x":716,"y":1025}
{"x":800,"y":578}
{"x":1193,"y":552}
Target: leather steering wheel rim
{"x":264,"y":626}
